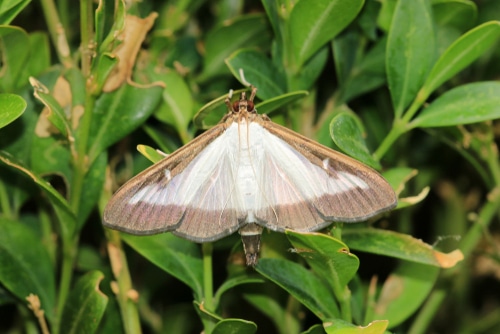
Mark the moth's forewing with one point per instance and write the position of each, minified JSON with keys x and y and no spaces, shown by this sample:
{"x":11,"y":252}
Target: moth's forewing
{"x":152,"y":202}
{"x":350,"y":192}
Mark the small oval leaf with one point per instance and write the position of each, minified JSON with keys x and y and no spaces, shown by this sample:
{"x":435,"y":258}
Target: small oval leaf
{"x":471,"y":103}
{"x":347,"y":131}
{"x":11,"y":107}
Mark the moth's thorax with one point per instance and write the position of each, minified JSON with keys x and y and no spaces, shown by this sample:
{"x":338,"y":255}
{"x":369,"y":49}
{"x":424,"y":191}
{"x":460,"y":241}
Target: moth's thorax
{"x":247,"y":156}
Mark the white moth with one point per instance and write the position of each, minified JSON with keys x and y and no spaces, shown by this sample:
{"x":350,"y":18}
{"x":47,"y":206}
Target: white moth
{"x":247,"y":173}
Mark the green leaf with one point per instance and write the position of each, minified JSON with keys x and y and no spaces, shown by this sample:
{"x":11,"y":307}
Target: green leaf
{"x":410,"y":51}
{"x":150,"y":153}
{"x":397,"y":177}
{"x":338,"y":326}
{"x":313,"y":23}
{"x":10,"y":8}
{"x":15,"y":51}
{"x":11,"y":107}
{"x":398,"y":245}
{"x":314,"y":295}
{"x":177,"y":106}
{"x":39,"y":61}
{"x":311,"y":70}
{"x":234,"y":326}
{"x":268,"y":106}
{"x":244,"y":31}
{"x":118,"y":113}
{"x":316,"y":329}
{"x":94,"y":182}
{"x":466,"y":104}
{"x":461,"y":53}
{"x":404,"y":291}
{"x":259,"y":71}
{"x":328,"y":257}
{"x":367,"y":75}
{"x":347,"y":132}
{"x":104,"y":67}
{"x":85,"y":305}
{"x":25,"y":265}
{"x":233,"y":282}
{"x":178,"y":257}
{"x":66,"y":217}
{"x":271,"y":302}
{"x":55,"y":112}
{"x":457,"y":13}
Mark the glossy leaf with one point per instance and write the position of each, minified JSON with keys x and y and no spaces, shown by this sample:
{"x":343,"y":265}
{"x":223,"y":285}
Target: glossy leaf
{"x":85,"y":305}
{"x":38,"y":62}
{"x":93,"y":181}
{"x":268,"y":106}
{"x":316,"y":329}
{"x":11,"y":107}
{"x":10,"y":9}
{"x":461,"y":53}
{"x":103,"y":68}
{"x":242,"y":32}
{"x":338,"y":326}
{"x":25,"y":265}
{"x":311,"y":70}
{"x":44,"y":185}
{"x":233,"y":282}
{"x":328,"y":257}
{"x":118,"y":113}
{"x":398,"y":245}
{"x":234,"y":326}
{"x":177,"y":106}
{"x":404,"y":291}
{"x":267,"y":301}
{"x":366,"y":75}
{"x":471,"y":103}
{"x":150,"y":153}
{"x":457,"y":13}
{"x":15,"y":53}
{"x":397,"y":177}
{"x":54,"y":111}
{"x":178,"y":257}
{"x":313,"y":23}
{"x":259,"y":71}
{"x":410,"y":51}
{"x":347,"y":133}
{"x":301,"y":283}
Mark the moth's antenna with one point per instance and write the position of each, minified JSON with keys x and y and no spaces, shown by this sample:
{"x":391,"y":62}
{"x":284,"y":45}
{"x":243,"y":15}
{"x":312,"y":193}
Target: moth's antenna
{"x":243,"y":80}
{"x":248,"y":84}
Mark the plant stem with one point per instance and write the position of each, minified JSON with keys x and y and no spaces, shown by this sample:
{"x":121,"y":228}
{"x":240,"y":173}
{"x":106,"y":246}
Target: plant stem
{"x":86,"y":27}
{"x":56,"y":31}
{"x":489,"y":210}
{"x":125,"y":294}
{"x":345,"y":305}
{"x":208,"y":300}
{"x":68,"y":256}
{"x":208,"y":293}
{"x":398,"y":128}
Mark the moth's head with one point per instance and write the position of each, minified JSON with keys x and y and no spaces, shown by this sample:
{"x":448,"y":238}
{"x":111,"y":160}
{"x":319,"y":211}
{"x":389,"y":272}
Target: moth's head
{"x":243,"y":105}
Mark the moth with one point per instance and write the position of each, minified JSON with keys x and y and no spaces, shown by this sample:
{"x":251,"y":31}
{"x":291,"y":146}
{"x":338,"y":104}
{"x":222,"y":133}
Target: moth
{"x":245,"y":174}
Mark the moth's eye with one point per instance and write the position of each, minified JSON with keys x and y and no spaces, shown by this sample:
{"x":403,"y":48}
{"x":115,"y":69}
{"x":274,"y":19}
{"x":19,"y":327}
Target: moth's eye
{"x":236,"y":106}
{"x":250,"y":106}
